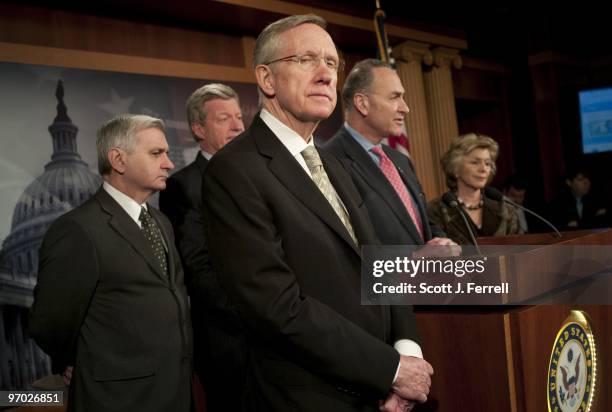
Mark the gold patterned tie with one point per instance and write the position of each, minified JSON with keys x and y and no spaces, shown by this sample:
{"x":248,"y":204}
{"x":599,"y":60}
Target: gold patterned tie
{"x":320,"y":178}
{"x":154,"y":237}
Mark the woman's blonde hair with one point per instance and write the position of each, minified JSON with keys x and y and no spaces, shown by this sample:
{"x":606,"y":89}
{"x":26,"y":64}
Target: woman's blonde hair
{"x":462,"y":146}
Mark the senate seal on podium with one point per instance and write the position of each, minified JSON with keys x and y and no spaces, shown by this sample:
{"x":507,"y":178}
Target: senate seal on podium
{"x":573,"y":366}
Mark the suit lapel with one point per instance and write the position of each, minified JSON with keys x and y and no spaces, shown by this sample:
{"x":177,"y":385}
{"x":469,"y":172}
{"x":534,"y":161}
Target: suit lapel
{"x":363,"y":165}
{"x":342,"y":187}
{"x":123,"y":224}
{"x":168,"y":240}
{"x":288,"y":171}
{"x":406,"y":172}
{"x":201,"y":162}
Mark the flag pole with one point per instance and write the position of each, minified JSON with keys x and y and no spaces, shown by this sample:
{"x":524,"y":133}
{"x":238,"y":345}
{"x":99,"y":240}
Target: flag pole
{"x":384,"y":53}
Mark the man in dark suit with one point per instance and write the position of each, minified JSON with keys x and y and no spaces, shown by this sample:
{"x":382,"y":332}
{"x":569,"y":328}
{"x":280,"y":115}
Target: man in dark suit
{"x":287,"y":225}
{"x":215,"y":118}
{"x":110,"y":297}
{"x":374,"y":108}
{"x":577,"y":207}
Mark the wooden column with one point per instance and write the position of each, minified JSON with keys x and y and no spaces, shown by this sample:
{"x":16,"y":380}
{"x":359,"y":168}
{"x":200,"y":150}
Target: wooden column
{"x":441,"y":104}
{"x":410,"y":57}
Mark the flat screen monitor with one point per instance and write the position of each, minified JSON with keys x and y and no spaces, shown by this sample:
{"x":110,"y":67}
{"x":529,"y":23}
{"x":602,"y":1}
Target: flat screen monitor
{"x":596,"y":120}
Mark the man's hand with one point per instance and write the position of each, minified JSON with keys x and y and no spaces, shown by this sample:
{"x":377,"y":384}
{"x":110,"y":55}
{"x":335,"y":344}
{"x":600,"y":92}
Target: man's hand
{"x":438,"y":247}
{"x":442,"y":241}
{"x":413,"y":379}
{"x":67,"y":375}
{"x":394,"y":403}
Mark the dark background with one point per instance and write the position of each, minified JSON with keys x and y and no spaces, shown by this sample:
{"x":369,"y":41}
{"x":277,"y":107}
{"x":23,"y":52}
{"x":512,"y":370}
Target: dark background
{"x":545,"y":54}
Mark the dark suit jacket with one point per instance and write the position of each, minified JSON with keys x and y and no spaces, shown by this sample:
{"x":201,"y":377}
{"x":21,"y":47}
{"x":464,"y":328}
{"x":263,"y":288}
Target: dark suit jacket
{"x":564,"y":211}
{"x":393,"y":224}
{"x":103,"y":305}
{"x":293,"y":273}
{"x":220,"y":349}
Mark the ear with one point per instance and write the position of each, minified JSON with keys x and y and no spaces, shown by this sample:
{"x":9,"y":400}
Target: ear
{"x":265,"y":80}
{"x":198,"y":130}
{"x":361,"y":103}
{"x":116,"y":158}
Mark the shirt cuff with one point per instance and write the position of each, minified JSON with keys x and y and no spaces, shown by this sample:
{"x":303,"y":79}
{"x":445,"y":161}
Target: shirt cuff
{"x":407,"y":347}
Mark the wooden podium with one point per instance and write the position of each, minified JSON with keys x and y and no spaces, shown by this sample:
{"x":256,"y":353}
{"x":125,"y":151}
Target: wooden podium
{"x":495,"y":358}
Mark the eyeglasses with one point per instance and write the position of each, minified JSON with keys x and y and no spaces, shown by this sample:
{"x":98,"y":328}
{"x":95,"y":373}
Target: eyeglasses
{"x":310,"y":62}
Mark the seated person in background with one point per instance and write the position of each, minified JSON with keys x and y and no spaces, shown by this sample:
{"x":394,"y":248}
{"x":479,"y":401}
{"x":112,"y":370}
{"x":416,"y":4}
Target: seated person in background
{"x":578,"y":207}
{"x":516,"y":190}
{"x":469,"y":165}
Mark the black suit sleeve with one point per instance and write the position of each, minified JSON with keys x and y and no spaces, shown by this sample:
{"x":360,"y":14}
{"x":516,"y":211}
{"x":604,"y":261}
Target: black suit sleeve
{"x":185,"y":214}
{"x":436,"y":231}
{"x":183,"y":206}
{"x":67,"y":278}
{"x":249,"y":254}
{"x":404,"y":324}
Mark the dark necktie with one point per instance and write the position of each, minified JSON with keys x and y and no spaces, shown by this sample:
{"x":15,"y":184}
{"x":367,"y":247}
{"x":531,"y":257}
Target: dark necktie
{"x":154,"y":238}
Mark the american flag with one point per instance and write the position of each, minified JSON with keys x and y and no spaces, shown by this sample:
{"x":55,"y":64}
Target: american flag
{"x":399,"y":143}
{"x":384,"y":53}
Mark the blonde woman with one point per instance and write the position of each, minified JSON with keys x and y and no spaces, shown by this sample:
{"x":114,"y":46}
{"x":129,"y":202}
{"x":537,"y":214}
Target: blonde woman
{"x":469,"y":165}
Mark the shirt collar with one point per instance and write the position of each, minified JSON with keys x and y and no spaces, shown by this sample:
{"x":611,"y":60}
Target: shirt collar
{"x":288,"y":137}
{"x":131,"y":207}
{"x":363,"y":142}
{"x":206,"y":155}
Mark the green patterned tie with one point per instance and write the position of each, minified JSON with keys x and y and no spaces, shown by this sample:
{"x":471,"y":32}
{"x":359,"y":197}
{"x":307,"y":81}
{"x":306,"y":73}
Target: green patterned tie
{"x":154,"y":237}
{"x":319,"y":176}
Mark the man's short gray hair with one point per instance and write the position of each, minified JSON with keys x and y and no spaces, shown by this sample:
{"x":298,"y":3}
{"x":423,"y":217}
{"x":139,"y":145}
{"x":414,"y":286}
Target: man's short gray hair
{"x":360,"y":79}
{"x":267,"y":43}
{"x":120,"y":132}
{"x":195,"y":104}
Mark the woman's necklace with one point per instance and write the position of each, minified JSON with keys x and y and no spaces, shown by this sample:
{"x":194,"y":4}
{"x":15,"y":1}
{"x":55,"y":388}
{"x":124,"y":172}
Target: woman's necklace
{"x":471,"y":207}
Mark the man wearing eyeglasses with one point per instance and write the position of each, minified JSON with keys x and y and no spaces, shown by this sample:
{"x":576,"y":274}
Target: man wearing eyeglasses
{"x":287,"y":224}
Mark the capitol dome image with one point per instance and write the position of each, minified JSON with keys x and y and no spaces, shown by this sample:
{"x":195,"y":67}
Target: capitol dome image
{"x":66,"y":182}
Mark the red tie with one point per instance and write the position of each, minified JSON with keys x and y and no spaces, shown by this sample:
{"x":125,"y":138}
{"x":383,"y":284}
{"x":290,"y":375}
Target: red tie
{"x":392,"y":175}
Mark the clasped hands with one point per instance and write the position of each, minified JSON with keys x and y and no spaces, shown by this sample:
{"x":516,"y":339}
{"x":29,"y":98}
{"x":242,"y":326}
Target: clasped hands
{"x":410,"y":387}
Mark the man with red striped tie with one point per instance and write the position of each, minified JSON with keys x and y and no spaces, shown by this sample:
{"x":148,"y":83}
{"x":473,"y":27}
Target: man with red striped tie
{"x":374,"y":107}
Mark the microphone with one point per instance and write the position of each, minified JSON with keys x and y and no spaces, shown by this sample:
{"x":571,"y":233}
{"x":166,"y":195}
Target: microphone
{"x":495,"y":194}
{"x":451,"y":200}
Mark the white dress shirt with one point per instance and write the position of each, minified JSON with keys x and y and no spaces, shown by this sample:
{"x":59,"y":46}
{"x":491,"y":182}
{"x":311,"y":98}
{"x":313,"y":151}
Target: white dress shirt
{"x":131,"y":207}
{"x":288,"y":137}
{"x":206,"y":155}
